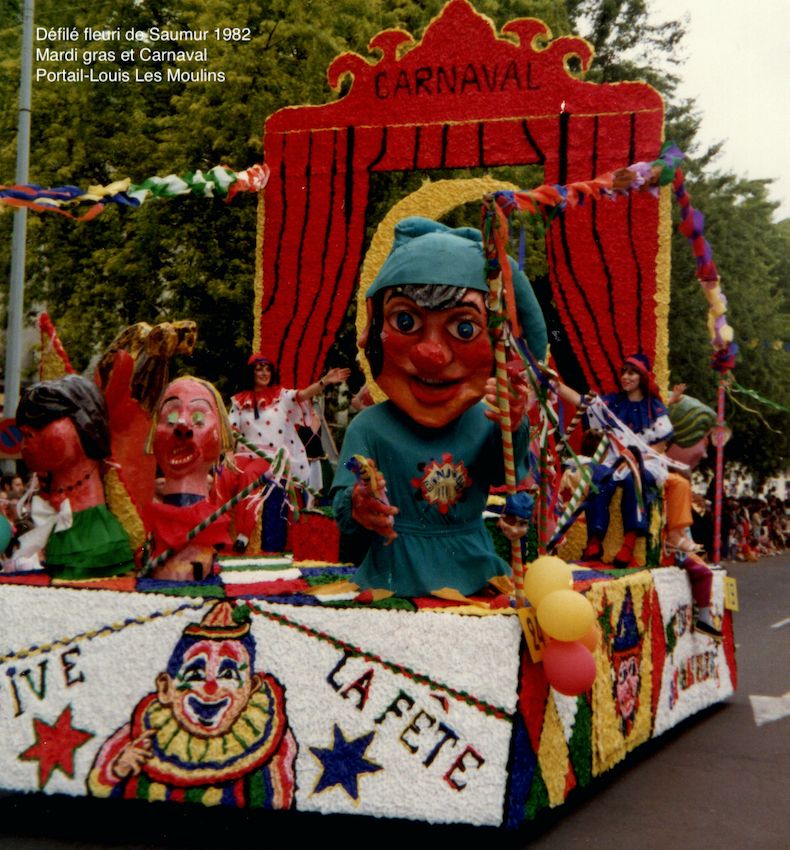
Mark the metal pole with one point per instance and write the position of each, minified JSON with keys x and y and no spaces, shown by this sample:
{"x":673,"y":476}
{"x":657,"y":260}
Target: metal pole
{"x":718,"y":500}
{"x":16,"y":293}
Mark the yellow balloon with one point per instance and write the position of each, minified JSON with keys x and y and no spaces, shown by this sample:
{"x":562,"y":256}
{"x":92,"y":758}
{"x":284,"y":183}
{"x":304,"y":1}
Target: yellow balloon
{"x":545,"y":575}
{"x":565,"y":615}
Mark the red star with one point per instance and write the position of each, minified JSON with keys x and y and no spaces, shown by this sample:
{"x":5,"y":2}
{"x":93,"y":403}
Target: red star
{"x":55,"y":746}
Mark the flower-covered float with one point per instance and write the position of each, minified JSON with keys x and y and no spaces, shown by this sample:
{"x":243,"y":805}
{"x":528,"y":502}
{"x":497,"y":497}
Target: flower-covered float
{"x":430,"y":683}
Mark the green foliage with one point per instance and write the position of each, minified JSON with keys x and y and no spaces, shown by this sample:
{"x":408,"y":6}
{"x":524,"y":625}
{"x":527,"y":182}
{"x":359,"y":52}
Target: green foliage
{"x":192,"y":257}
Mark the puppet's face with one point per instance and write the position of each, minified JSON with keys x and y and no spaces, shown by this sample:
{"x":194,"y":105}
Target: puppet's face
{"x":187,"y":438}
{"x":212,"y":687}
{"x":53,"y":448}
{"x":263,"y":375}
{"x":690,"y":455}
{"x":436,"y":362}
{"x":627,"y":686}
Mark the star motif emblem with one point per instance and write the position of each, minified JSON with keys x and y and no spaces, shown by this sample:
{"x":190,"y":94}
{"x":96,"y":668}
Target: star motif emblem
{"x":55,"y":746}
{"x":343,"y":763}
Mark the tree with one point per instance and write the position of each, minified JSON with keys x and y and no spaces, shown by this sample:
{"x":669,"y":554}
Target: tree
{"x":193,"y":257}
{"x":749,"y":249}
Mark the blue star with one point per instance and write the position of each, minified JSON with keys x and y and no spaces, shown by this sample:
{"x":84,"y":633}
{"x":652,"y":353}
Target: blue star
{"x":343,"y":762}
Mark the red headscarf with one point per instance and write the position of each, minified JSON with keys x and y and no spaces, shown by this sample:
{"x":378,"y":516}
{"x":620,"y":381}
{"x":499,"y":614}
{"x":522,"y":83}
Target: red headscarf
{"x":641,"y":363}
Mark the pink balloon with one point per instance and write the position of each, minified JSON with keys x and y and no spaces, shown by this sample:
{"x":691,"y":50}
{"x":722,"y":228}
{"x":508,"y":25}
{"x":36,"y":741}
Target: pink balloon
{"x":592,"y":638}
{"x":569,"y":667}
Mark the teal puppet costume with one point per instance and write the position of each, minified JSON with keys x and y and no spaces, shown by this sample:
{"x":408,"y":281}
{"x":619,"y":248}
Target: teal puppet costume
{"x":428,"y":346}
{"x":439,"y":478}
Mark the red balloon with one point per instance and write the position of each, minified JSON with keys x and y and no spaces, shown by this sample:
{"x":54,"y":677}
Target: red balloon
{"x":569,"y":666}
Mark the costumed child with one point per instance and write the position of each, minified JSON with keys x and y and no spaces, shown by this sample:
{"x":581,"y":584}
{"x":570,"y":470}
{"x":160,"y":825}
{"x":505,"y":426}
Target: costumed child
{"x":189,"y":435}
{"x":436,"y":448}
{"x":638,"y":406}
{"x":65,"y":439}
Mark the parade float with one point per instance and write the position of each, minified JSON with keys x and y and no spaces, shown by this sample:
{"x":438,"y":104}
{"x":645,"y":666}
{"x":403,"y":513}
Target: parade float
{"x":279,"y":680}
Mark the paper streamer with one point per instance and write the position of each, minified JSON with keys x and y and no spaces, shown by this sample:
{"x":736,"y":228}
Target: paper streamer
{"x":218,"y":182}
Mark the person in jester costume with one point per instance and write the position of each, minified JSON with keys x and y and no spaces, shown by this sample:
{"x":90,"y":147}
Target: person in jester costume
{"x":214,"y":731}
{"x":430,"y":453}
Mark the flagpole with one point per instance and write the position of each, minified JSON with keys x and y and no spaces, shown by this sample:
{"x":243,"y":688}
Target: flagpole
{"x":16,"y":294}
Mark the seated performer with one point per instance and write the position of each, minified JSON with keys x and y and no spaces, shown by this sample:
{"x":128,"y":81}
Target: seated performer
{"x":638,"y":405}
{"x":436,"y":446}
{"x":693,"y":422}
{"x":66,"y":436}
{"x":267,"y":415}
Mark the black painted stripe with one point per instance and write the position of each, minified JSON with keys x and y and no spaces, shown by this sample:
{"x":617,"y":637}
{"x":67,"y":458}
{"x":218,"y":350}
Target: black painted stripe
{"x":348,"y":199}
{"x":532,"y":143}
{"x":600,"y":246}
{"x":325,"y":246}
{"x":284,"y":215}
{"x":563,"y":179}
{"x":308,"y":176}
{"x":632,"y":242}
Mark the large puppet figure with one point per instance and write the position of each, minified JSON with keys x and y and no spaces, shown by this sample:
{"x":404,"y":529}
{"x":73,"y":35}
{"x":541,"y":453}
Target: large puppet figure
{"x":189,"y":435}
{"x":64,"y":425}
{"x":436,"y":446}
{"x":215,"y":730}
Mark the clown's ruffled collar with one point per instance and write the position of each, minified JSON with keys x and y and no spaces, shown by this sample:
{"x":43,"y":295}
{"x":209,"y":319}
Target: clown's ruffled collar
{"x":184,"y":759}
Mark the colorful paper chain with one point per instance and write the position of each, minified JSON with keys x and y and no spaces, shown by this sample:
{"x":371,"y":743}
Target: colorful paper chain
{"x":692,"y":226}
{"x":545,"y":202}
{"x":219,"y":182}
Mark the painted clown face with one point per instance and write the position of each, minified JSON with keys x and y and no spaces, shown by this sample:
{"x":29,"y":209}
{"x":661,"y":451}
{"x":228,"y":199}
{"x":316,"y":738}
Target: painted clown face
{"x":436,"y":362}
{"x":627,"y":687}
{"x":212,"y":687}
{"x":53,"y":448}
{"x":187,"y":438}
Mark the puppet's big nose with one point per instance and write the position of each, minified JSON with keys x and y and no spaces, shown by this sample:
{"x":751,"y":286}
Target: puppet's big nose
{"x":429,"y":356}
{"x":182,"y":431}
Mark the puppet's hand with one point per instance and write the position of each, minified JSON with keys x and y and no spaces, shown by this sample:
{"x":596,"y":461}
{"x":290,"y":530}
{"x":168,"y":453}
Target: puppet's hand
{"x":372,"y":513}
{"x":133,"y":756}
{"x":514,"y":528}
{"x":369,"y":505}
{"x":519,"y":395}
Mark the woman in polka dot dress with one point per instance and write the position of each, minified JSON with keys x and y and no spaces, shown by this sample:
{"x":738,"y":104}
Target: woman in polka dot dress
{"x":267,"y":416}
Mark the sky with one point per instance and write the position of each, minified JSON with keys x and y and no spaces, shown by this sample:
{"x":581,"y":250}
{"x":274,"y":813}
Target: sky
{"x":737,"y":70}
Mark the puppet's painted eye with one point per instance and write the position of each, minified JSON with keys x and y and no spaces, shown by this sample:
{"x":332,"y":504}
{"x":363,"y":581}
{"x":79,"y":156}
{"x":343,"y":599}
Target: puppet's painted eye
{"x":405,"y":322}
{"x":172,"y":417}
{"x":198,"y":417}
{"x":465,"y":329}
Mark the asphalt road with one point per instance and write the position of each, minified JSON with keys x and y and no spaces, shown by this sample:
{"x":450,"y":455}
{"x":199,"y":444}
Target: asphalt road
{"x":719,"y":781}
